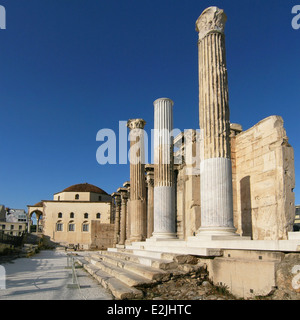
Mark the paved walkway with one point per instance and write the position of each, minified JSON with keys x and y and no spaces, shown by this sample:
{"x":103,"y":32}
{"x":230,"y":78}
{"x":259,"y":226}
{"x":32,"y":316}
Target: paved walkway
{"x":44,"y":277}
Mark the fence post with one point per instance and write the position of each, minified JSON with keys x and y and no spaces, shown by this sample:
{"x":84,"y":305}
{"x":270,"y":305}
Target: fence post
{"x":74,"y":284}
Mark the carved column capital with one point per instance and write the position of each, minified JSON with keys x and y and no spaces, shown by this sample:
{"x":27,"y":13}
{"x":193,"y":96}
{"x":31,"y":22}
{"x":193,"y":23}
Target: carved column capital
{"x":149,"y":168}
{"x":136,"y":124}
{"x":211,"y":20}
{"x":117,"y":198}
{"x":124,"y":194}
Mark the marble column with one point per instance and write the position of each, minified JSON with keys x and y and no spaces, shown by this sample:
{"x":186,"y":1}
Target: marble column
{"x":117,"y":198}
{"x":123,"y":193}
{"x":164,"y":191}
{"x":150,"y":198}
{"x":137,"y":180}
{"x":215,"y":167}
{"x":127,"y":186}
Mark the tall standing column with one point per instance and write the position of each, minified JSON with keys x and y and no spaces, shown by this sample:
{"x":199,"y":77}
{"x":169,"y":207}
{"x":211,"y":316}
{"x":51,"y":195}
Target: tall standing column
{"x":215,"y":167}
{"x":150,"y":198}
{"x":164,"y":191}
{"x":127,"y":186}
{"x":117,"y":217}
{"x":123,"y":193}
{"x":137,"y":180}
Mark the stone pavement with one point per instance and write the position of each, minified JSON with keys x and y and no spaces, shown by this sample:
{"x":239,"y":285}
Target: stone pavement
{"x":44,"y":277}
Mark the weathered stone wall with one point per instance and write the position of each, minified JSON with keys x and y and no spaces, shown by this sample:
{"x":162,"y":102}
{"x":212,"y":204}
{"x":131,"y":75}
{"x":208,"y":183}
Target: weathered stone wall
{"x":188,"y":204}
{"x":102,"y":235}
{"x":263,"y":181}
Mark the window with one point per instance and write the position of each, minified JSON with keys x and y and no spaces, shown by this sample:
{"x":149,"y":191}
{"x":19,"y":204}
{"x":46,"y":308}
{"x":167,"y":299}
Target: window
{"x":85,"y":226}
{"x":59,"y":226}
{"x":77,"y":197}
{"x":71,"y":226}
{"x":20,"y":227}
{"x":98,"y":216}
{"x":12,"y":227}
{"x":72,"y":215}
{"x":3,"y":227}
{"x":60,"y":215}
{"x":86,"y":216}
{"x":99,"y":198}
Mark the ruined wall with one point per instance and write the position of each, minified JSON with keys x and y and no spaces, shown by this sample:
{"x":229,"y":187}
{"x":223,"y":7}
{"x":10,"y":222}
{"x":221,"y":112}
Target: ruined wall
{"x":188,"y":184}
{"x":263,"y":181}
{"x":102,"y":235}
{"x":188,"y":204}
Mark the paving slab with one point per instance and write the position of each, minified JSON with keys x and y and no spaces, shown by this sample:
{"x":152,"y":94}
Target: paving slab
{"x":44,"y":277}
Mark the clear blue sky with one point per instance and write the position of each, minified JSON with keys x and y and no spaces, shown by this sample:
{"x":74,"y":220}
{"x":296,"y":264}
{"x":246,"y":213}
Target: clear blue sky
{"x":70,"y":68}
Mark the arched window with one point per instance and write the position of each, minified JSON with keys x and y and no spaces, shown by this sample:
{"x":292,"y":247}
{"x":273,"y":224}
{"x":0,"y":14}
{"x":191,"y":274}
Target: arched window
{"x":86,"y":216}
{"x":98,"y":215}
{"x":85,"y":226}
{"x":77,"y":197}
{"x":71,"y":226}
{"x":72,"y":215}
{"x":60,"y":215}
{"x":59,"y":226}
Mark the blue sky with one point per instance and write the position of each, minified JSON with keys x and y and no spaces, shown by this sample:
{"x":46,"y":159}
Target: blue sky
{"x":71,"y":68}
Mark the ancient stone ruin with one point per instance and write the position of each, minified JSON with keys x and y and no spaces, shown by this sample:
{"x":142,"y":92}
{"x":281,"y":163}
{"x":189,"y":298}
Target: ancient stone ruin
{"x":232,"y":211}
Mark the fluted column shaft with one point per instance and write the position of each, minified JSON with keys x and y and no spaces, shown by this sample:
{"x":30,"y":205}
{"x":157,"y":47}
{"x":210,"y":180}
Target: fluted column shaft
{"x":117,"y":218}
{"x":123,"y":192}
{"x":137,"y":180}
{"x":126,"y":185}
{"x":215,"y":167}
{"x":150,"y":199}
{"x":164,"y":191}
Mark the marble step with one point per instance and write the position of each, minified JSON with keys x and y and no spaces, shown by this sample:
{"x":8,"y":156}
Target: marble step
{"x":147,"y":253}
{"x":137,"y":269}
{"x":119,"y":289}
{"x":128,"y":277}
{"x":143,"y":258}
{"x":179,"y":250}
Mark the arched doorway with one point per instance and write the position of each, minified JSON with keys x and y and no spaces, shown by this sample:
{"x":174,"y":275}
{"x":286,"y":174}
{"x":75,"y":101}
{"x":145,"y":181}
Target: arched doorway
{"x":35,"y":216}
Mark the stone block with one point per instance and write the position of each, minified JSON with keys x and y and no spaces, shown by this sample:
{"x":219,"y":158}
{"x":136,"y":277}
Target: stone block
{"x":263,"y":181}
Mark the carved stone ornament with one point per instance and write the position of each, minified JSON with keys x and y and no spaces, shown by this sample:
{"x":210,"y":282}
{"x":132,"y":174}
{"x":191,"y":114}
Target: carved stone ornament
{"x":136,"y":124}
{"x":212,"y":19}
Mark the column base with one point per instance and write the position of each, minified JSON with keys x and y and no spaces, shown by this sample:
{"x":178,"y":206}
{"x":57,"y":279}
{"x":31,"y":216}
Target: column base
{"x":137,"y":239}
{"x":217,"y":233}
{"x":120,"y":246}
{"x":160,"y":236}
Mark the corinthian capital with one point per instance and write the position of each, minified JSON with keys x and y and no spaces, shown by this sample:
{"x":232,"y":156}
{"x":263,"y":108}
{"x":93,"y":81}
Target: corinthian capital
{"x":212,"y":19}
{"x":136,"y":124}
